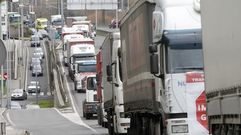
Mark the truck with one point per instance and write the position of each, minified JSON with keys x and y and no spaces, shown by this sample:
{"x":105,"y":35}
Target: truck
{"x":84,"y":67}
{"x":221,"y":32}
{"x":112,"y":85}
{"x":101,"y":114}
{"x":162,"y":68}
{"x":90,"y":103}
{"x":64,"y":48}
{"x":41,"y":23}
{"x":79,"y":49}
{"x":56,"y":22}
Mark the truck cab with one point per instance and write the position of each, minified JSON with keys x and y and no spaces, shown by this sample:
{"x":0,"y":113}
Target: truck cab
{"x":82,"y":69}
{"x":90,"y":103}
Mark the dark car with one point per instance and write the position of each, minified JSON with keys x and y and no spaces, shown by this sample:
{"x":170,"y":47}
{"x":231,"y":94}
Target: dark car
{"x":18,"y":94}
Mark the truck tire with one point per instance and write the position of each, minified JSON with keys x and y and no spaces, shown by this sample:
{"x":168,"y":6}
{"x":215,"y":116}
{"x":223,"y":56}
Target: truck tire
{"x":83,"y":103}
{"x":75,"y":87}
{"x":110,"y":129}
{"x":88,"y":116}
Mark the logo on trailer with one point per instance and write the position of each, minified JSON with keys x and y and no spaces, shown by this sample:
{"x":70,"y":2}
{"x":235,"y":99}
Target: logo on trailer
{"x":201,"y":114}
{"x":194,"y":77}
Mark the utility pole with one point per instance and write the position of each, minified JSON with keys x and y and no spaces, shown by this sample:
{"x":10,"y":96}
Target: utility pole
{"x":62,"y":13}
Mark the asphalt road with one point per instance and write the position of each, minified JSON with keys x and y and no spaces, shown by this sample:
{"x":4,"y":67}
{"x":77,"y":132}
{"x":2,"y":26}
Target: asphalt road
{"x":52,"y":121}
{"x":43,"y":80}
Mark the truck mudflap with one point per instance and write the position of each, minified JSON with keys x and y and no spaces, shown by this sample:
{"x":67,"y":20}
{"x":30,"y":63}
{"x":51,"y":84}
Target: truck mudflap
{"x":90,"y":107}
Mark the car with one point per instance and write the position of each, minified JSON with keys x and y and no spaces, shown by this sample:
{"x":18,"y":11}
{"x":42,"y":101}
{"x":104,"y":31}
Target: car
{"x":40,"y":51}
{"x":37,"y":70}
{"x":15,"y":105}
{"x":37,"y":55}
{"x":34,"y":61}
{"x":43,"y":32}
{"x":35,"y":41}
{"x":32,"y":87}
{"x":18,"y":94}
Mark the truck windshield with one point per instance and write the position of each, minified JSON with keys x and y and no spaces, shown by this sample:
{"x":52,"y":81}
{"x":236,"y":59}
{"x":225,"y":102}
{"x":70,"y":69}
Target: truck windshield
{"x":91,"y":83}
{"x":87,"y":68}
{"x":182,"y":58}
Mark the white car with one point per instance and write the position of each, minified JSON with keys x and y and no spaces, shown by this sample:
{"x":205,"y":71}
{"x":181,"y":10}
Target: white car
{"x":39,"y":51}
{"x":32,"y":87}
{"x":19,"y":94}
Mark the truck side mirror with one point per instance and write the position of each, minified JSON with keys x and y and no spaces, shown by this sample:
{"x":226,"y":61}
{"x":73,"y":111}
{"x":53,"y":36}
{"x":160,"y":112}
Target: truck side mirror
{"x":109,"y":70}
{"x":154,"y":64}
{"x":119,"y":52}
{"x":152,"y":48}
{"x":109,"y":73}
{"x":109,"y":78}
{"x":71,"y":60}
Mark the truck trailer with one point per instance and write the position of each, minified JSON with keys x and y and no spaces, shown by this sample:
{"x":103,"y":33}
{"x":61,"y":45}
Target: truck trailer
{"x":112,"y":85}
{"x":221,"y":50}
{"x":101,"y":114}
{"x":162,"y":68}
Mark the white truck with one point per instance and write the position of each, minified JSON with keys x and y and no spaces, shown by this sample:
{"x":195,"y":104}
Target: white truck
{"x":112,"y":85}
{"x":65,"y":39}
{"x":90,"y":103}
{"x":162,"y":68}
{"x":79,"y":49}
{"x":221,"y":32}
{"x":83,"y":68}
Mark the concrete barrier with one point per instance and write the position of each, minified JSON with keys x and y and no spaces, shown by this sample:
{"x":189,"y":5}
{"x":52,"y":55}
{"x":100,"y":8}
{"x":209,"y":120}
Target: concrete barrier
{"x":57,"y":90}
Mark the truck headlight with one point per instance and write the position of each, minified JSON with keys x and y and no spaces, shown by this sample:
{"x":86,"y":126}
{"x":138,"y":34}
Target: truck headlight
{"x":180,"y":129}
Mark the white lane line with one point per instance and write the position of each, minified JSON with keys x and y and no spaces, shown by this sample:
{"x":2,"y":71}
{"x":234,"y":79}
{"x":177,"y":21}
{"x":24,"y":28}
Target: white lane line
{"x":68,"y":87}
{"x":9,"y":120}
{"x":47,"y":64}
{"x":73,"y":103}
{"x":75,"y":118}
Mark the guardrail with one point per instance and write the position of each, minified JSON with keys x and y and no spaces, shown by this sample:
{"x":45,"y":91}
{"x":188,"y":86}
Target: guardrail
{"x":103,"y":31}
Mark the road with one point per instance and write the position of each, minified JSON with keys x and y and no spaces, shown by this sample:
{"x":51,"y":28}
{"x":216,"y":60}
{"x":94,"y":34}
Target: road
{"x":52,"y":121}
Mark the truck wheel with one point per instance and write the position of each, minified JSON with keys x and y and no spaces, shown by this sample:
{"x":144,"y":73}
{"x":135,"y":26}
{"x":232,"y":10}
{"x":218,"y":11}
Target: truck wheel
{"x":75,"y":88}
{"x":84,"y":115}
{"x":110,"y":129}
{"x":88,"y":116}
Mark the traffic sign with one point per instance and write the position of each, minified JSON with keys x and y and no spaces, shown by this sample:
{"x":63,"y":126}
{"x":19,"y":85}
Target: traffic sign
{"x":5,"y":76}
{"x":3,"y":53}
{"x":201,"y":114}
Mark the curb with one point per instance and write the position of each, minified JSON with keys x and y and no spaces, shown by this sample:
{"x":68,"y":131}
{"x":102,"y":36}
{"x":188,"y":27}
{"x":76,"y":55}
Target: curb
{"x":9,"y":127}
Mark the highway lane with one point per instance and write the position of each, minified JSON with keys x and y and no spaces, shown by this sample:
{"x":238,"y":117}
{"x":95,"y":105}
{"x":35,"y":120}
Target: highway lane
{"x":45,"y":93}
{"x":46,"y":122}
{"x":78,"y":98}
{"x":52,"y":122}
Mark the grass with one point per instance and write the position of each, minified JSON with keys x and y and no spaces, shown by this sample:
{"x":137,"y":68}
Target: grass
{"x":46,"y":103}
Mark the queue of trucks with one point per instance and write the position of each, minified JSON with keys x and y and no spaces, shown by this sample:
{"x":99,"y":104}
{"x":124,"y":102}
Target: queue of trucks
{"x":150,"y":74}
{"x":147,"y":78}
{"x":78,"y":49}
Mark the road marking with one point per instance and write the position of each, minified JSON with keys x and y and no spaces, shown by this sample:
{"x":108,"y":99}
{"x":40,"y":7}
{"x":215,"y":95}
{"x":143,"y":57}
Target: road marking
{"x":9,"y":120}
{"x":73,"y":103}
{"x":75,"y":118}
